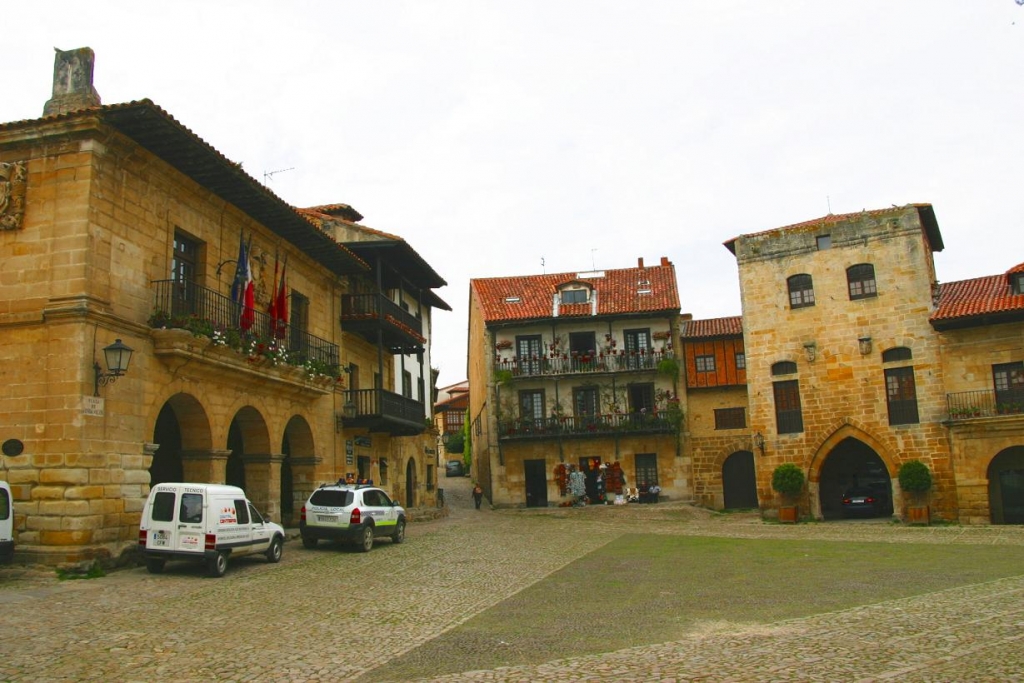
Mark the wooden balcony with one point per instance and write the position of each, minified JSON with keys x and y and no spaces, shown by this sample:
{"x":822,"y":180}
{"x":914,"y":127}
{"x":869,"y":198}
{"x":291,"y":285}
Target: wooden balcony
{"x":561,"y":365}
{"x":384,"y":411}
{"x":379,"y":320}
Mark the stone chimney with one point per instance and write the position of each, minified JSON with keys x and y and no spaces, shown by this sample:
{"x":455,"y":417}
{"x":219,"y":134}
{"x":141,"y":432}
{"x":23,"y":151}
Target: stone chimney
{"x":72,"y":82}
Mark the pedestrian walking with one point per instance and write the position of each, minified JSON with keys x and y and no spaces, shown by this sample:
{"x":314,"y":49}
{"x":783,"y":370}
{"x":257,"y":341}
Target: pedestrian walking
{"x":478,"y":495}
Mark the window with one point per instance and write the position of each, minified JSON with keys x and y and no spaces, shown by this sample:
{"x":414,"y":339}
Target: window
{"x":801,"y":291}
{"x":184,"y":267}
{"x":241,"y":512}
{"x":901,"y":395}
{"x":705,"y":363}
{"x":163,"y":507}
{"x":730,"y":418}
{"x":574,"y":296}
{"x":582,"y":343}
{"x":298,"y":324}
{"x":191,"y":508}
{"x":5,"y":505}
{"x":638,"y":345}
{"x":406,"y":384}
{"x":528,"y":351}
{"x":254,"y":516}
{"x":897,"y":353}
{"x":430,"y":478}
{"x":646,"y":468}
{"x":1008,"y":379}
{"x":641,"y":397}
{"x":741,"y":360}
{"x":531,"y":405}
{"x":784,"y":367}
{"x":384,"y":471}
{"x":1017,"y":283}
{"x":824,"y":242}
{"x":419,"y":389}
{"x":861,"y":281}
{"x":788,"y":417}
{"x":584,"y":401}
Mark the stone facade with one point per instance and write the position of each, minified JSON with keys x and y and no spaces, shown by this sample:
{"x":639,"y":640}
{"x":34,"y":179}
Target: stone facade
{"x":104,"y":223}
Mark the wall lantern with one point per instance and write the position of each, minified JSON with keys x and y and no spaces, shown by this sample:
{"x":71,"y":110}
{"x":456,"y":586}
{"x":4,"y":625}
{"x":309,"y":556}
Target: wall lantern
{"x":118,"y":356}
{"x":865,"y":345}
{"x":759,"y":442}
{"x":811,"y":349}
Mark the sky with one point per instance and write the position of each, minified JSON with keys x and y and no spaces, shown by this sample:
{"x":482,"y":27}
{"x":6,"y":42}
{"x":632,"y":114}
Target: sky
{"x":551,"y":136}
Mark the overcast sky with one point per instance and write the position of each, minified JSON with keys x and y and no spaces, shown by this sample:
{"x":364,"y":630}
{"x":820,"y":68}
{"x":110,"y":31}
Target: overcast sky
{"x":511,"y":138}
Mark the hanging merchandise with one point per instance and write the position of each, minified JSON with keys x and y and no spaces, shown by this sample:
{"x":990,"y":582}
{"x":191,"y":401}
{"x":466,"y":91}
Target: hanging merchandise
{"x":561,"y":478}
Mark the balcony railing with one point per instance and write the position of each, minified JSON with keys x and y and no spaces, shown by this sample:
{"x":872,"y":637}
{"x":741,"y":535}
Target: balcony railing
{"x":617,"y":424}
{"x":384,"y":411}
{"x":204,"y":312}
{"x":561,"y":364}
{"x":967,"y":405}
{"x":368,"y":314}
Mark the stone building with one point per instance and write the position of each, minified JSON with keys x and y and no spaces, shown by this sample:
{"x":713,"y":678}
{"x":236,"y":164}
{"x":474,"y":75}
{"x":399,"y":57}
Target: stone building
{"x":120,"y":224}
{"x":575,"y":369}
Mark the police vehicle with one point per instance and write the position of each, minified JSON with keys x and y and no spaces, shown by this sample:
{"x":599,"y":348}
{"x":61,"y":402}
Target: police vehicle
{"x":357,"y":513}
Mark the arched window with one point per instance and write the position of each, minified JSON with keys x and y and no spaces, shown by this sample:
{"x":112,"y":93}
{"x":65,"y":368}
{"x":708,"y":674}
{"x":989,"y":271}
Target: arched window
{"x":784,"y":367}
{"x":801,"y":291}
{"x":861,"y":281}
{"x":896,"y":353}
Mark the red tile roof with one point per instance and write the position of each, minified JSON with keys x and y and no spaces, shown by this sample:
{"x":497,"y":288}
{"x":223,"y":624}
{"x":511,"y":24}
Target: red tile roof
{"x":714,"y":327}
{"x":618,"y":292}
{"x":982,"y":300}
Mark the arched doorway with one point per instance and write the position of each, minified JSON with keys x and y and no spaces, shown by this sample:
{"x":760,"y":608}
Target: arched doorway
{"x":1006,"y":486}
{"x":181,"y":427}
{"x":853,"y":464}
{"x":235,"y":473}
{"x":297,"y":468}
{"x":410,"y":483}
{"x":739,"y":481}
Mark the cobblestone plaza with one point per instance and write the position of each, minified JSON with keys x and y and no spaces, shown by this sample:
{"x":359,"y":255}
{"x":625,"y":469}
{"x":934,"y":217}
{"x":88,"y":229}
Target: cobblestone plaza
{"x":335,"y":615}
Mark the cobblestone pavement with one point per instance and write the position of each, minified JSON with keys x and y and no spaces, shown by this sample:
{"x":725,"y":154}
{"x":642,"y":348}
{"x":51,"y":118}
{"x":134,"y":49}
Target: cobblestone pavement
{"x":333,"y":614}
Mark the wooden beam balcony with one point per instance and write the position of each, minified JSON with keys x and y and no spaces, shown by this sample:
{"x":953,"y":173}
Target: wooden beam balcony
{"x":377,"y":319}
{"x":379,"y":410}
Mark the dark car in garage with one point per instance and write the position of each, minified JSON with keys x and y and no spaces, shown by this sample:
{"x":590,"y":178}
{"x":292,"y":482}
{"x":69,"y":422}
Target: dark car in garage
{"x":864,"y":501}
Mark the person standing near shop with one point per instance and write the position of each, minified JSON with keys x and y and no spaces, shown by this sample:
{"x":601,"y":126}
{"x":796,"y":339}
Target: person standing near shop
{"x":478,"y":495}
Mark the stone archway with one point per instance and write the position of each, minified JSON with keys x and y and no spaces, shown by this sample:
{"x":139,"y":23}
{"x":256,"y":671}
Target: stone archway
{"x":845,"y":430}
{"x":1006,"y":486}
{"x":182,"y":431}
{"x":852,"y":465}
{"x":298,"y":468}
{"x":250,"y":464}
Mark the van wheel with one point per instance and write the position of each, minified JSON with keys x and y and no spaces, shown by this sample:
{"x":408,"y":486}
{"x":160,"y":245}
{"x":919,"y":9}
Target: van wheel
{"x":399,"y":534}
{"x":308,"y":542}
{"x":274,"y":551}
{"x":217,"y":565}
{"x":366,"y":542}
{"x":155,"y":566}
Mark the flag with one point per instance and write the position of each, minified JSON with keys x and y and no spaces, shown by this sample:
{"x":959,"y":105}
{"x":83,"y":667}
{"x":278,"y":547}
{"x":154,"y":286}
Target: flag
{"x":244,"y":290}
{"x":272,"y":308}
{"x":280,"y":304}
{"x":238,"y":285}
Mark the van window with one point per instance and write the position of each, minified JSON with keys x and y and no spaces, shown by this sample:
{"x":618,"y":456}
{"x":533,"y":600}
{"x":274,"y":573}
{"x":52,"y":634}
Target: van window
{"x":163,"y":507}
{"x":257,"y":518}
{"x":241,"y":512}
{"x":191,"y":509}
{"x":331,"y":499}
{"x":5,"y":504}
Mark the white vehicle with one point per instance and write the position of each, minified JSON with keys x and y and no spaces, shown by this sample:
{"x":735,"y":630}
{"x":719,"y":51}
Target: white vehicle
{"x":208,"y":522}
{"x":351,"y":512}
{"x":6,"y":523}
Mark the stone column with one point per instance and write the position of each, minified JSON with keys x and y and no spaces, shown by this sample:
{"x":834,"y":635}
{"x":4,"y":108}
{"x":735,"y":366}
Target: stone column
{"x":207,"y":467}
{"x":303,"y":483}
{"x":263,"y":483}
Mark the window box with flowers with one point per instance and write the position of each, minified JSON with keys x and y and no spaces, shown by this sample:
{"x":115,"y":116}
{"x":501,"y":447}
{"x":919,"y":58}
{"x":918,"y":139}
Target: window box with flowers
{"x":503,"y":345}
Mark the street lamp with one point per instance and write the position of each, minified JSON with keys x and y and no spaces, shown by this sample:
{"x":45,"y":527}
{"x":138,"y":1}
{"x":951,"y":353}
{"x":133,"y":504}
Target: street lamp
{"x":759,"y":442}
{"x":118,"y":356}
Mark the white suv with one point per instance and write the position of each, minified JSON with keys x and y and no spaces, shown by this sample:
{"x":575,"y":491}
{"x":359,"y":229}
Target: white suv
{"x":351,"y":512}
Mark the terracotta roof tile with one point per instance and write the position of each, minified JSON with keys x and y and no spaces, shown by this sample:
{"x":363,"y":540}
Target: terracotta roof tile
{"x":619,"y":292}
{"x":979,"y":297}
{"x":714,"y":327}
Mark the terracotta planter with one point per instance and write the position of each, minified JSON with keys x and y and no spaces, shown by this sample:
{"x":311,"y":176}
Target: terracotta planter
{"x":918,"y":514}
{"x":788,"y":514}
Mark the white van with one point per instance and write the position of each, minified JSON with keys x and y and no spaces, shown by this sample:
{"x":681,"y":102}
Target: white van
{"x":6,"y":523}
{"x":208,"y":522}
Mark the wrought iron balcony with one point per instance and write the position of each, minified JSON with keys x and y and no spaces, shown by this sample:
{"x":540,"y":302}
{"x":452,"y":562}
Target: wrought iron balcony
{"x":562,"y":364}
{"x":590,"y":426}
{"x":371,"y":314}
{"x":206,"y":313}
{"x":380,"y":410}
{"x":967,"y":405}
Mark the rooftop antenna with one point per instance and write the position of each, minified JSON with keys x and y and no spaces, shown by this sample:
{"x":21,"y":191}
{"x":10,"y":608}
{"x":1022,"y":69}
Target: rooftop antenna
{"x":593,"y":266}
{"x":828,"y":201}
{"x":269,"y":175}
{"x":542,"y":270}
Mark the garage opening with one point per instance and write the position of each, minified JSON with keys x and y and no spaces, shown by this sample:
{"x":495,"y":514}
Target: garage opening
{"x":739,"y":481}
{"x":1006,"y":486}
{"x":854,"y":483}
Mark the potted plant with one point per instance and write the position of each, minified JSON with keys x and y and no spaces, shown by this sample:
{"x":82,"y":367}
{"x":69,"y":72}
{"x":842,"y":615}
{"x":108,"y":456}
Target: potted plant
{"x":916,"y":480}
{"x":788,"y":482}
